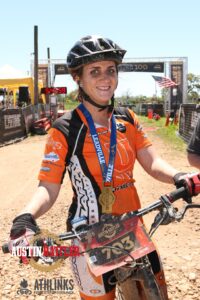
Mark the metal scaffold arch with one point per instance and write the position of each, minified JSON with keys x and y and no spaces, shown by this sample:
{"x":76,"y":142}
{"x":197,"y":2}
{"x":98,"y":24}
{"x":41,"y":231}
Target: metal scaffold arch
{"x":174,"y":68}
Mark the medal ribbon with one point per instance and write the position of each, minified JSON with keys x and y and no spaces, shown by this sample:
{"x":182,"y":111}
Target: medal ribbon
{"x":107,"y":171}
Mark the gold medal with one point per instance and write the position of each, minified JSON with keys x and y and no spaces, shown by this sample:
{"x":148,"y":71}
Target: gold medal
{"x":106,"y":199}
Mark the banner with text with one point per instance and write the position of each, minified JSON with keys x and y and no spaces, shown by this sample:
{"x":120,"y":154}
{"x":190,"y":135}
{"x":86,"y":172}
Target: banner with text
{"x":12,"y":126}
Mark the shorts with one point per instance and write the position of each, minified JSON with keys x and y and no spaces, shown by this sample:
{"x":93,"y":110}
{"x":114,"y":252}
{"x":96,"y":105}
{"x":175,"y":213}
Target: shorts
{"x":90,"y":286}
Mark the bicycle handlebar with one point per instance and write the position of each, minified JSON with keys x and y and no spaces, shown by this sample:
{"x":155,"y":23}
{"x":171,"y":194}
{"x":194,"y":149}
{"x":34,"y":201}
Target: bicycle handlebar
{"x":192,"y":189}
{"x":173,"y":196}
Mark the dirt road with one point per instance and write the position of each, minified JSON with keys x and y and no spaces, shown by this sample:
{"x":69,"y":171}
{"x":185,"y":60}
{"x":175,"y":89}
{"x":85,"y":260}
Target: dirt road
{"x":179,"y":244}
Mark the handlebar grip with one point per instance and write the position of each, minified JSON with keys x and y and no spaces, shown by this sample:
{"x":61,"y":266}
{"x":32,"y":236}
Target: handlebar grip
{"x":5,"y":248}
{"x":182,"y":192}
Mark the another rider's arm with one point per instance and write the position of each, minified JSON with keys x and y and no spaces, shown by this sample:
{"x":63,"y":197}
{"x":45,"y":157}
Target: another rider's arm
{"x":193,"y":149}
{"x":155,"y":165}
{"x":194,"y":160}
{"x":43,"y":199}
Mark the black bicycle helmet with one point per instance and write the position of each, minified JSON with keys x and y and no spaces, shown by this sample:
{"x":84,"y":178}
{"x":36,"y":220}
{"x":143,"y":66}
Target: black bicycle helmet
{"x":93,"y":48}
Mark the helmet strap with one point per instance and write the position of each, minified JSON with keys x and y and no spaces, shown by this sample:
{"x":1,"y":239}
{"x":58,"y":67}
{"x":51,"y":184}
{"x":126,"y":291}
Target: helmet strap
{"x":83,"y":95}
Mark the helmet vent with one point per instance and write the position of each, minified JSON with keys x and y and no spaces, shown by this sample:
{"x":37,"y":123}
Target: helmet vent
{"x":93,"y":48}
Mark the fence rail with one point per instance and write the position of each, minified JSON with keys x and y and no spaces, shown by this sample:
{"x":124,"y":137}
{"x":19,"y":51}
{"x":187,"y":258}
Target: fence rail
{"x":188,"y":117}
{"x":16,"y":123}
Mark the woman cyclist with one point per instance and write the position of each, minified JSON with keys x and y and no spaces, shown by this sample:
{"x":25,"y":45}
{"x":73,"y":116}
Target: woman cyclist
{"x":98,"y":144}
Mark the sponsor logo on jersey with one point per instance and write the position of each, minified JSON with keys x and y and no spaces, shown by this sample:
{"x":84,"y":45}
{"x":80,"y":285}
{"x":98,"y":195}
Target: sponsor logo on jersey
{"x":52,"y":156}
{"x":45,"y":169}
{"x":54,"y":144}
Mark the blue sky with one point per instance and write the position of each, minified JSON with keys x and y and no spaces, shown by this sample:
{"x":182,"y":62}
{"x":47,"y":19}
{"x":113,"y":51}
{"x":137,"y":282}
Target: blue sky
{"x":144,"y":28}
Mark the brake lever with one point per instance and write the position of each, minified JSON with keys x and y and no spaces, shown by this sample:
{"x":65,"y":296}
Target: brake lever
{"x":181,"y":213}
{"x":157,"y":221}
{"x":171,"y":213}
{"x":167,"y":214}
{"x":162,"y":218}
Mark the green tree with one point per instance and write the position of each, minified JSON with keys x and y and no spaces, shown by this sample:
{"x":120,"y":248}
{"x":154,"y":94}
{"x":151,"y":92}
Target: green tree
{"x":72,"y":95}
{"x":71,"y":100}
{"x":193,"y":86}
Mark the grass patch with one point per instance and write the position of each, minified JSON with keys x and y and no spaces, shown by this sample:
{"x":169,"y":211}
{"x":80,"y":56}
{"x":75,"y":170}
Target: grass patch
{"x":168,"y":133}
{"x":151,"y":122}
{"x":71,"y":104}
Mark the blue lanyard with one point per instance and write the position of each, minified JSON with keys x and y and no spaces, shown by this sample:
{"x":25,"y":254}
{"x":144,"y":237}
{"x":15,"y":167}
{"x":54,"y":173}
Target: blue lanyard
{"x":107,"y":171}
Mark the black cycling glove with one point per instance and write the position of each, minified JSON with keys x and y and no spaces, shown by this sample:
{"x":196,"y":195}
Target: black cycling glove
{"x":23,"y":229}
{"x":21,"y":223}
{"x":181,"y":180}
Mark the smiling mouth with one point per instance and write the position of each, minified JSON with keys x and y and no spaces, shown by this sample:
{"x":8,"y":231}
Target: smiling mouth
{"x":103,"y":88}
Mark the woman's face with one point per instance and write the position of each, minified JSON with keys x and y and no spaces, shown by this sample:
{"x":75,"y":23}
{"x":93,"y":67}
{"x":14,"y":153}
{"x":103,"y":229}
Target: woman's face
{"x":99,"y":81}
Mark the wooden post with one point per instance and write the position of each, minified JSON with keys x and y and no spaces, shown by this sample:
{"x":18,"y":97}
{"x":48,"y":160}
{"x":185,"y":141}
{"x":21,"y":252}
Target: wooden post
{"x":35,"y":65}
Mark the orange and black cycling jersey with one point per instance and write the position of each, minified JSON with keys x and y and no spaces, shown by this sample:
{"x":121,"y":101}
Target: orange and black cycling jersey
{"x":70,"y":146}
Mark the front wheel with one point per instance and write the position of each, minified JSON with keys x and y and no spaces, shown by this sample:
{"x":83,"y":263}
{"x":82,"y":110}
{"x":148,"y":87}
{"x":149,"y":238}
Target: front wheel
{"x":129,"y":290}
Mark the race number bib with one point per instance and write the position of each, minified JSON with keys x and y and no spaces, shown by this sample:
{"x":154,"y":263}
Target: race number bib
{"x":114,"y":242}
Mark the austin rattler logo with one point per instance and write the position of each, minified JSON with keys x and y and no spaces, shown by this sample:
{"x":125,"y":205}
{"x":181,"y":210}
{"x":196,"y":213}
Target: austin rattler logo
{"x":51,"y":254}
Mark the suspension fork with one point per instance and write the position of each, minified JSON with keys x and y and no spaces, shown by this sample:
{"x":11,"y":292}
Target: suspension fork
{"x":139,"y":282}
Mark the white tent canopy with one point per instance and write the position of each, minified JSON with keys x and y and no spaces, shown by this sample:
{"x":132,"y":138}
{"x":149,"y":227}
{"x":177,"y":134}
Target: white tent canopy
{"x":12,"y":79}
{"x":7,"y":71}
